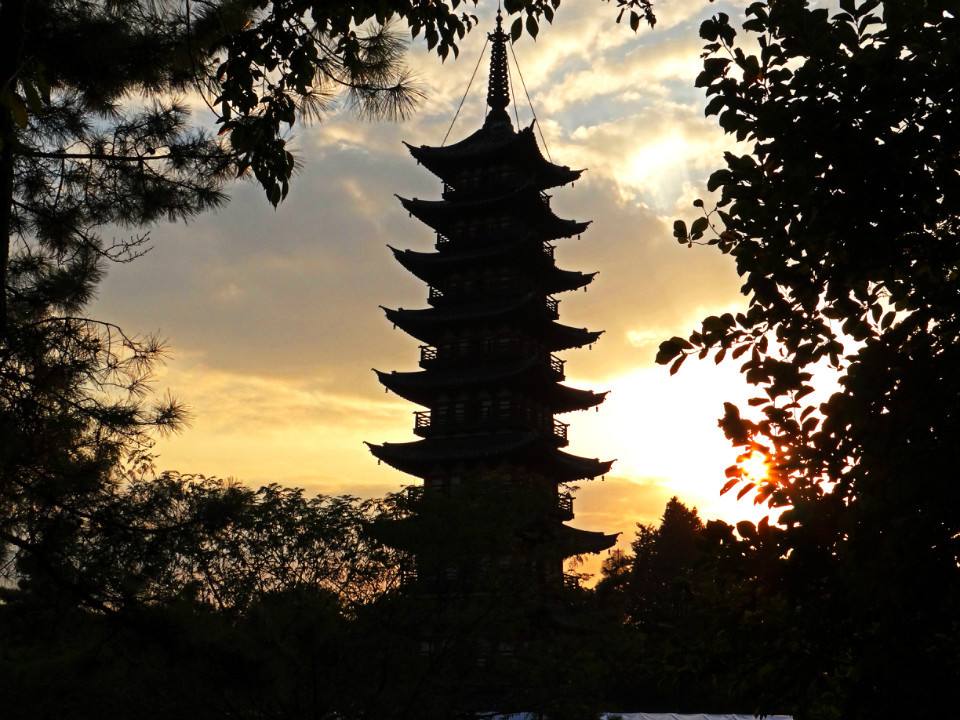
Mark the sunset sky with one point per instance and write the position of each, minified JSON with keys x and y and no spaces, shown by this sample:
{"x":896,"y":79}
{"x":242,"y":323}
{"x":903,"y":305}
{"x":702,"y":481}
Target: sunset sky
{"x":272,"y":316}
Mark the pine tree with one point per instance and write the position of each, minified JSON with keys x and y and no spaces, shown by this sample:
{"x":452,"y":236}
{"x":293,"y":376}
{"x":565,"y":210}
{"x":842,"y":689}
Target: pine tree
{"x":94,"y":138}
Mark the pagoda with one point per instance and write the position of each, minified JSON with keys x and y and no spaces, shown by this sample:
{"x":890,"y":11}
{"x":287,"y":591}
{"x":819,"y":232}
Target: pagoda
{"x":489,"y":517}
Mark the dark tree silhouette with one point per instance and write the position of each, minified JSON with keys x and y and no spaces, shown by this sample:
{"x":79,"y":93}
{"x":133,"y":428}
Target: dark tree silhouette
{"x":77,"y":154}
{"x":177,"y":593}
{"x":92,"y":137}
{"x":843,"y":221}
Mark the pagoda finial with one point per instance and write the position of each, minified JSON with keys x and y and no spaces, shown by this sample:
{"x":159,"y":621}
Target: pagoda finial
{"x":498,"y":88}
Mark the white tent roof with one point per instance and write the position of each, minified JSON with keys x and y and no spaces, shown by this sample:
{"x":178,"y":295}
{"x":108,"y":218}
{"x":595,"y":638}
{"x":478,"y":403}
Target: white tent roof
{"x":675,"y":716}
{"x":647,"y":716}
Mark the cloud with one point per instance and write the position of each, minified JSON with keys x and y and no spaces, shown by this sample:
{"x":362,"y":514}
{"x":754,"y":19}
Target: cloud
{"x":273,"y":317}
{"x":295,"y":431}
{"x":617,"y":504}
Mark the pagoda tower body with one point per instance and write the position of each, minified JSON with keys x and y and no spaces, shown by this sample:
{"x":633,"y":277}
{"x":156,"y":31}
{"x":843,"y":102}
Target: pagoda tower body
{"x":489,"y":518}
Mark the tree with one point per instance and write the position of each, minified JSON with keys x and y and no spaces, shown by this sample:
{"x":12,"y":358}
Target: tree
{"x":92,"y":136}
{"x":78,"y":153}
{"x":159,"y":539}
{"x":299,"y":54}
{"x":175,"y":595}
{"x":203,"y":597}
{"x":843,"y":221}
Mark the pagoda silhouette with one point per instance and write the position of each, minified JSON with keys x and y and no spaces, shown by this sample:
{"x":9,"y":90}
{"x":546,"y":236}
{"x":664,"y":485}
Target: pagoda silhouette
{"x":489,"y":517}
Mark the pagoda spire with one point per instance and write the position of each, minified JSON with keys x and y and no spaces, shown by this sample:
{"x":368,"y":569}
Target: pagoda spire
{"x":498,"y":86}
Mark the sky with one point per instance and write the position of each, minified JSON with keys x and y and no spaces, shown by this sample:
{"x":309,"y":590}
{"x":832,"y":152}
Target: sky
{"x":272,"y":316}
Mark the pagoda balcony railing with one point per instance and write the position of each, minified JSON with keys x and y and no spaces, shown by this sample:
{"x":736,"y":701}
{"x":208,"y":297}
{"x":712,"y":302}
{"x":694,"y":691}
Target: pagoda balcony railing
{"x":442,"y":240}
{"x":571,"y":582}
{"x":421,"y":422}
{"x":556,"y":366}
{"x":435,"y":294}
{"x":425,"y":425}
{"x":565,"y":505}
{"x":471,"y":351}
{"x":447,"y":190}
{"x":560,"y":430}
{"x":553,"y":307}
{"x":549,"y":250}
{"x":545,"y":199}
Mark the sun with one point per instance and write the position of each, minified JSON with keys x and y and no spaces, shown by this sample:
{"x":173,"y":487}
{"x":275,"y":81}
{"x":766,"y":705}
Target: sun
{"x":755,"y":466}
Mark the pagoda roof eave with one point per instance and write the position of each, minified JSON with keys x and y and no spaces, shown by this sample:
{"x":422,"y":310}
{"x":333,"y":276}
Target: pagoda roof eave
{"x":575,"y":541}
{"x":422,"y":386}
{"x":486,"y":145}
{"x":410,"y":320}
{"x":416,"y":456}
{"x":565,"y":337}
{"x":421,"y":457}
{"x":566,"y":280}
{"x":412,"y":532}
{"x":444,"y":215}
{"x":579,"y":468}
{"x":570,"y":399}
{"x":408,"y":384}
{"x":425,"y":324}
{"x":430,"y":266}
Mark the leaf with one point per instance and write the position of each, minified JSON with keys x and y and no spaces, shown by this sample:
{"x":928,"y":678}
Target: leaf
{"x":666,"y":352}
{"x":516,"y":29}
{"x":729,"y":484}
{"x":763,"y":492}
{"x":709,"y":30}
{"x":715,"y":105}
{"x":680,"y":229}
{"x":718,"y":178}
{"x":532,"y":27}
{"x":676,"y":364}
{"x":698,"y":227}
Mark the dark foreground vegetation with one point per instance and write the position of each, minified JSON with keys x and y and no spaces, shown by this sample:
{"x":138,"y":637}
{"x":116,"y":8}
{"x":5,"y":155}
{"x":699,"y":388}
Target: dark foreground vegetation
{"x":130,"y":593}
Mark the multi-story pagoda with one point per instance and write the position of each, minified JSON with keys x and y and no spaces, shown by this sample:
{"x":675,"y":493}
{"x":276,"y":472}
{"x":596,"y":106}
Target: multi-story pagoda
{"x":491,"y":510}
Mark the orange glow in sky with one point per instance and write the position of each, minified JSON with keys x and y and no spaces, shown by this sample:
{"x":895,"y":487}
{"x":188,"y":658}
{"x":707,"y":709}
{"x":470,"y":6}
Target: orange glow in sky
{"x":756,"y":466}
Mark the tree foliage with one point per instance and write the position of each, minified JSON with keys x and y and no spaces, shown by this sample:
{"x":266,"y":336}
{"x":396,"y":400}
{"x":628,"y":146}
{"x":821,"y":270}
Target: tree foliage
{"x":843,"y":221}
{"x":299,"y":55}
{"x":95,"y":139}
{"x":692,"y":609}
{"x":191,"y":595}
{"x":159,"y":539}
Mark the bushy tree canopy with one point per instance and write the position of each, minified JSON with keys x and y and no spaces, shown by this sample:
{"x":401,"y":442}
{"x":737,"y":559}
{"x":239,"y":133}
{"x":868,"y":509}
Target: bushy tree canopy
{"x":843,"y":220}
